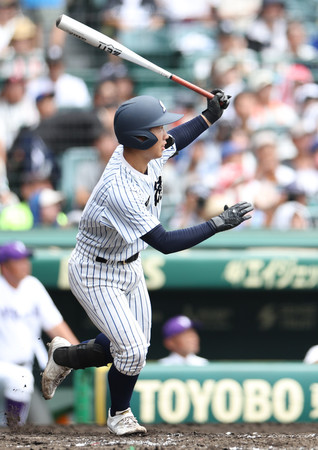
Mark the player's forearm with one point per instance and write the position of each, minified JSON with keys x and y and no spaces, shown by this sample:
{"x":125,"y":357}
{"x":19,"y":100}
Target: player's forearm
{"x":174,"y":241}
{"x":187,"y":132}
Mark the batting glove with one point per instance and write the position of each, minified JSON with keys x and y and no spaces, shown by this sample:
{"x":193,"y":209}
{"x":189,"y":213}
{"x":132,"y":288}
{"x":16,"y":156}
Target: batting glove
{"x":216,"y":105}
{"x":232,"y":217}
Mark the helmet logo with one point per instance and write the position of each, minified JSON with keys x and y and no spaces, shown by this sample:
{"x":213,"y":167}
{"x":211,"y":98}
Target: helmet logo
{"x":162,"y":106}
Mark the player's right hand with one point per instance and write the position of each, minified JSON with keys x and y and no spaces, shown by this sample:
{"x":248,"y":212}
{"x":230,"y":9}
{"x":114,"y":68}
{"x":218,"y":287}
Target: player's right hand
{"x":232,"y":217}
{"x":216,"y":105}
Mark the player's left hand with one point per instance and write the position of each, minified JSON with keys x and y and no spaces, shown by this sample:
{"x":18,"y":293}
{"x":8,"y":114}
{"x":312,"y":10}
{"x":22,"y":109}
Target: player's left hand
{"x":232,"y":217}
{"x":216,"y":105}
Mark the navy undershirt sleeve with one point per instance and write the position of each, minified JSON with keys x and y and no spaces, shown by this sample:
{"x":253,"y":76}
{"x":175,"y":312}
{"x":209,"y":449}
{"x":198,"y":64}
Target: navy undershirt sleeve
{"x":177,"y":240}
{"x":185,"y":133}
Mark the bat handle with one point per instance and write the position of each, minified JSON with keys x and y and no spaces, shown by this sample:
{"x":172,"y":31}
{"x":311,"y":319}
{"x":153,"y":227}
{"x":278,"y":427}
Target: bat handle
{"x":189,"y":85}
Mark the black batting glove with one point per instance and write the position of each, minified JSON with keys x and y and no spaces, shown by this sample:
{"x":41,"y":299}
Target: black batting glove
{"x":232,"y":217}
{"x":216,"y":105}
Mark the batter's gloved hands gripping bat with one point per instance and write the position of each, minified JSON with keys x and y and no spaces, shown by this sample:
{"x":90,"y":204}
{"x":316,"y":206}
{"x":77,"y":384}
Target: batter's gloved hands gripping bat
{"x":216,"y":105}
{"x":232,"y":217}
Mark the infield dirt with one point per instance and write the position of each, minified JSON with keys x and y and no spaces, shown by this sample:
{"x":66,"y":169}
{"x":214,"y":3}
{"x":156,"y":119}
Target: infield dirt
{"x":159,"y":437}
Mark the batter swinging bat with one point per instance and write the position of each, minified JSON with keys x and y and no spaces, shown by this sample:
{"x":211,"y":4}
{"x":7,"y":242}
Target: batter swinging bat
{"x":108,"y":45}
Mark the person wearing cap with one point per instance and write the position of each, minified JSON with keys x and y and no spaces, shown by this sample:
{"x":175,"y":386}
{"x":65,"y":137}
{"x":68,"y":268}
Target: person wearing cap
{"x":26,"y":309}
{"x":25,"y":56}
{"x":181,"y":339}
{"x":269,"y":110}
{"x":70,"y":91}
{"x":42,"y":209}
{"x":46,"y":207}
{"x":120,"y":219}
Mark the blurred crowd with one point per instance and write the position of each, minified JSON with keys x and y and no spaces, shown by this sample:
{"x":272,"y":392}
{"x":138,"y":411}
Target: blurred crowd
{"x":264,"y":149}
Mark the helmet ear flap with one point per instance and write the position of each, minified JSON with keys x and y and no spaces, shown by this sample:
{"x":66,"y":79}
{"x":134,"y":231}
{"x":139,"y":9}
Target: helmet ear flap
{"x":136,"y":141}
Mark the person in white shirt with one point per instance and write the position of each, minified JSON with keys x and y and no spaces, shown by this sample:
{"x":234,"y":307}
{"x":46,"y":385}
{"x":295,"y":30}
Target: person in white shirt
{"x":70,"y":91}
{"x":26,"y":309}
{"x":181,"y":338}
{"x":311,"y":356}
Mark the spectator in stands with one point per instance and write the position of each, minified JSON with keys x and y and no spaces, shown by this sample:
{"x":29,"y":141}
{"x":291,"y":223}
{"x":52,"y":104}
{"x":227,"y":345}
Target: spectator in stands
{"x":9,"y":12}
{"x":244,"y":105}
{"x":306,"y":97}
{"x":237,"y":165}
{"x":105,"y":101}
{"x":118,"y":73}
{"x":232,"y":42}
{"x":190,"y":211}
{"x":225,"y":71}
{"x":269,"y":111}
{"x":46,"y":104}
{"x":70,"y":91}
{"x":293,"y":213}
{"x":17,"y":110}
{"x":178,"y":12}
{"x":25,"y":57}
{"x":299,"y":48}
{"x":29,"y":159}
{"x":44,"y":14}
{"x":46,"y":207}
{"x":232,"y":178}
{"x":270,"y":179}
{"x":26,"y":309}
{"x":268,"y":30}
{"x":306,"y":175}
{"x":124,"y":15}
{"x":89,"y":172}
{"x":293,"y":77}
{"x":181,"y":339}
{"x":241,"y":12}
{"x":43,"y":209}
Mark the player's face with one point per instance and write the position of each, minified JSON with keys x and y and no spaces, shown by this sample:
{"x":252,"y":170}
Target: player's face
{"x":159,"y":146}
{"x":185,"y":343}
{"x":15,"y":270}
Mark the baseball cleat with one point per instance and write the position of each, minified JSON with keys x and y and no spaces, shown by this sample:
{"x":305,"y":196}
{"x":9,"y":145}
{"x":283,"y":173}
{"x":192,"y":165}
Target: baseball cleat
{"x":124,"y":422}
{"x":54,"y":374}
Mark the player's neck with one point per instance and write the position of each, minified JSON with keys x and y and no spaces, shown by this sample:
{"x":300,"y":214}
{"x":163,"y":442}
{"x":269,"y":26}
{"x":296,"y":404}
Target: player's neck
{"x":136,"y":159}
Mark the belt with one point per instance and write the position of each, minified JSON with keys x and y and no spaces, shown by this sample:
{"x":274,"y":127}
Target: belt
{"x":127,"y":261}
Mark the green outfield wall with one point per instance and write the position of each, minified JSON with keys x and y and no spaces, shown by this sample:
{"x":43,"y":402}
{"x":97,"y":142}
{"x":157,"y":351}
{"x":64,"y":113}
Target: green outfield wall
{"x":232,"y":260}
{"x":254,"y":392}
{"x":254,"y":291}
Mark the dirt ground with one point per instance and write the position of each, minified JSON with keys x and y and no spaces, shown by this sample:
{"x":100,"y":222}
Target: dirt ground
{"x":159,"y":437}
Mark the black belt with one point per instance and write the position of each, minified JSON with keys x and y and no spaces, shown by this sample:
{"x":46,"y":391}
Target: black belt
{"x":129,"y":260}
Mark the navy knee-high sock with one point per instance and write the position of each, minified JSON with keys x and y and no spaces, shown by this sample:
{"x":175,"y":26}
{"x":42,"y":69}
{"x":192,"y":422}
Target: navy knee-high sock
{"x":102,"y":340}
{"x":121,"y":389}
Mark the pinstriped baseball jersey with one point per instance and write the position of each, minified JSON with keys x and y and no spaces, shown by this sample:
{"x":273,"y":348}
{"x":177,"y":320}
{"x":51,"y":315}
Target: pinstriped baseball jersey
{"x":124,"y":206}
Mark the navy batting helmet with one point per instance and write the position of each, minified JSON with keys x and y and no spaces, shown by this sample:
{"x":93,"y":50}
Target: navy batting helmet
{"x":135,"y":117}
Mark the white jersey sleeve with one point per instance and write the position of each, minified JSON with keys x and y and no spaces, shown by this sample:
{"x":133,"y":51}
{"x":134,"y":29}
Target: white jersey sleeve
{"x":48,"y":313}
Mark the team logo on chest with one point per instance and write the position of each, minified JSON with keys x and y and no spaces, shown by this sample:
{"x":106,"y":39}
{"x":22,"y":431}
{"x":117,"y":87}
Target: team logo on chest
{"x":158,"y":191}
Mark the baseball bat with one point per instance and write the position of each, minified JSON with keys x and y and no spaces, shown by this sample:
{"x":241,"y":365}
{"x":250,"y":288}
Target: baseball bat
{"x":109,"y":45}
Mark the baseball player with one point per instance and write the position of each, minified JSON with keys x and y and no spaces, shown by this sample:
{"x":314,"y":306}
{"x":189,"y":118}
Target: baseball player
{"x":181,"y":338}
{"x":25,"y":310}
{"x":121,"y":218}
